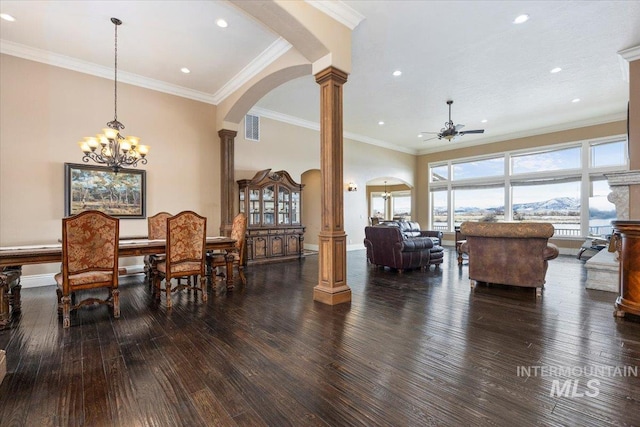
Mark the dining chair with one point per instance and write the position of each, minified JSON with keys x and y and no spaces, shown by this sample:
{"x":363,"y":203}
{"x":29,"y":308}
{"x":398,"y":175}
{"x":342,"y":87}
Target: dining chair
{"x":89,"y":261}
{"x":185,"y":255}
{"x":156,"y":229}
{"x":218,"y":259}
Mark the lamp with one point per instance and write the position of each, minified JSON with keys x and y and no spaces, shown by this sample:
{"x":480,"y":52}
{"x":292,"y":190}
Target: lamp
{"x":352,"y":187}
{"x":386,"y":195}
{"x":111,"y":148}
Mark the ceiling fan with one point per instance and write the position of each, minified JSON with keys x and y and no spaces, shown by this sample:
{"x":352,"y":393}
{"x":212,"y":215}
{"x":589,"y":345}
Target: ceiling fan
{"x":449,"y":131}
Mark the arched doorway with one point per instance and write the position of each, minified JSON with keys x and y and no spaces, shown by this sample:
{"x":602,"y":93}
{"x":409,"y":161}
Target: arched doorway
{"x":389,"y":198}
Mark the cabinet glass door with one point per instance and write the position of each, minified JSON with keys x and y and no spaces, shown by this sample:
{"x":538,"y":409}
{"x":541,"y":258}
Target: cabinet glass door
{"x":268,"y":205}
{"x":295,"y":207}
{"x":242,"y":201}
{"x":254,"y":207}
{"x":283,"y":206}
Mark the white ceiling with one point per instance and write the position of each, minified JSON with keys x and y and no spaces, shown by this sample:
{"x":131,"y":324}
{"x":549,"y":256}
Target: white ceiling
{"x":468,"y":51}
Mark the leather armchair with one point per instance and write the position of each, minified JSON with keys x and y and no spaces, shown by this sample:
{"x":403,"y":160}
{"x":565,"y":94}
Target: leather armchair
{"x":387,"y":247}
{"x":508,"y":253}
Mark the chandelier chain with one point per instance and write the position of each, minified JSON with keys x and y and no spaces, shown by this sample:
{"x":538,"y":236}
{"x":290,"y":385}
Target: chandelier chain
{"x":115,"y":79}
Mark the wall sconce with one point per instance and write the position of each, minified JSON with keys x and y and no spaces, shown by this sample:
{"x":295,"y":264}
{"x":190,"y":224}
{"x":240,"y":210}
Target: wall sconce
{"x":352,"y":187}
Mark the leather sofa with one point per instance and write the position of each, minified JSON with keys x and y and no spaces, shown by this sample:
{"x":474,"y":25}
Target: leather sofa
{"x":411,"y":229}
{"x":387,"y":247}
{"x":508,"y":253}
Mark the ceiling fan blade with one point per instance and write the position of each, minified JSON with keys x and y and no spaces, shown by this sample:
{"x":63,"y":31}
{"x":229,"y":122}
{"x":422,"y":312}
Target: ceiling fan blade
{"x":429,"y":139}
{"x":458,"y":127}
{"x":435,"y":133}
{"x":472,"y":131}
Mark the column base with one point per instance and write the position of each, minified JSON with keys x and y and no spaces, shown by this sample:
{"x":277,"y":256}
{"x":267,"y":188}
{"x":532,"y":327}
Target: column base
{"x":332,"y":296}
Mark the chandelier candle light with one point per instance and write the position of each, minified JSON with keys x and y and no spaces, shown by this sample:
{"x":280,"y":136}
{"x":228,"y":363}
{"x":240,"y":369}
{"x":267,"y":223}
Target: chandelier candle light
{"x":386,"y":195}
{"x":110,"y":147}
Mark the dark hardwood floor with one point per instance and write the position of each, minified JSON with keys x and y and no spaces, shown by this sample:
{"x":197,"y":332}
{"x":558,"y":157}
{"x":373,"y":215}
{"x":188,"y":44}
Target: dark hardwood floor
{"x":412,"y":349}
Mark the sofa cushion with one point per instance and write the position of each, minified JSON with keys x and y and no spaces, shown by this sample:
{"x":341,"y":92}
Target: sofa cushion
{"x":416,"y":244}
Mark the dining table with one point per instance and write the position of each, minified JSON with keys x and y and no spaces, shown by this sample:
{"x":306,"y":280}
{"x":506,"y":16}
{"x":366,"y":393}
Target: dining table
{"x":12,"y":258}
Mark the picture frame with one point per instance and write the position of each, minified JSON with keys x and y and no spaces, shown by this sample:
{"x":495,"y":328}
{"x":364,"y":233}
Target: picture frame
{"x":121,"y":194}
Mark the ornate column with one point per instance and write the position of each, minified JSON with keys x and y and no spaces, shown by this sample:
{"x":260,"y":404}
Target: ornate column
{"x":227,"y":180}
{"x":332,"y":288}
{"x":619,"y":182}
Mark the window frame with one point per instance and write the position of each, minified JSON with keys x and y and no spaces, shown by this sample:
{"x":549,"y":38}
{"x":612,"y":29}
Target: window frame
{"x":585,"y":174}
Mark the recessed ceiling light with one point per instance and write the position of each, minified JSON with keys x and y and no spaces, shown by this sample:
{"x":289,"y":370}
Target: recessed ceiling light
{"x":555,"y":70}
{"x":520,"y":19}
{"x":397,"y":73}
{"x":484,"y":121}
{"x":575,"y":100}
{"x":185,"y":70}
{"x":420,"y":135}
{"x":7,"y":17}
{"x":222,"y":23}
{"x":380,"y":122}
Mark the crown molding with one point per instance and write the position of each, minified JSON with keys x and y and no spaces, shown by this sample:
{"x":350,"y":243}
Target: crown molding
{"x":262,"y":61}
{"x":624,"y":57}
{"x":339,"y":11}
{"x":62,"y":61}
{"x":528,"y":133}
{"x":631,"y":54}
{"x":285,"y":118}
{"x":270,"y":54}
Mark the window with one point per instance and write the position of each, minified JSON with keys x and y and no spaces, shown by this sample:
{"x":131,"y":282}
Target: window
{"x":557,"y":203}
{"x":563,"y":184}
{"x":601,"y":210}
{"x":439,"y":173}
{"x":608,"y":154}
{"x":378,"y":206}
{"x":564,"y":159}
{"x":478,"y":169}
{"x":440,"y":210}
{"x":401,"y":202}
{"x":478,"y":204}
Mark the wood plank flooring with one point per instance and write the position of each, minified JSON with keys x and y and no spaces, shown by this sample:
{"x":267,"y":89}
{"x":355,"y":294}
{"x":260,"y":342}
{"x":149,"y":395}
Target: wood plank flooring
{"x":412,"y":349}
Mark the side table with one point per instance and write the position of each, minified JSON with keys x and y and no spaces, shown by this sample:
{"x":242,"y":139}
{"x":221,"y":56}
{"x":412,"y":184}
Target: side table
{"x":627,"y":244}
{"x":9,"y":293}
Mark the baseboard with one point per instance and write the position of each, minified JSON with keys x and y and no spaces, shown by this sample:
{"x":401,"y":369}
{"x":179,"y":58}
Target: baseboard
{"x":38,"y":280}
{"x":316,"y":248}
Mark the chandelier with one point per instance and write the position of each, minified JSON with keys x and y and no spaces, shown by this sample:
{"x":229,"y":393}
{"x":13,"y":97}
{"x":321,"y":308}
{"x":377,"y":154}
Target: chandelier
{"x":111,"y":148}
{"x":386,"y":195}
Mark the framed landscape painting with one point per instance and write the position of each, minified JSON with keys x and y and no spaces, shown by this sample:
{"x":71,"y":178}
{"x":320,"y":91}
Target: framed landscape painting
{"x":99,"y":188}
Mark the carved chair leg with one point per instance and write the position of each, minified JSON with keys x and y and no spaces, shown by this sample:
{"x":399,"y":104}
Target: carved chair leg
{"x":241,"y":274}
{"x":167,"y":286}
{"x":115,"y":293}
{"x":66,"y":311}
{"x":59,"y":294}
{"x":203,"y":287}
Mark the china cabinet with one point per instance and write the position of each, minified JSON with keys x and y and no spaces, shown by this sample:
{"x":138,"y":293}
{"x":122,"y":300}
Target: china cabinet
{"x":272,"y":202}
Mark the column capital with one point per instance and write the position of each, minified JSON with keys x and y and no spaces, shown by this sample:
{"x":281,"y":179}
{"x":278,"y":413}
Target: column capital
{"x":228,"y":133}
{"x":331,"y":73}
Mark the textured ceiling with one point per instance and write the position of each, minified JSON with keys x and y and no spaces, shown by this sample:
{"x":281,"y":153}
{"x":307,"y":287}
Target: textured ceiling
{"x":468,"y":51}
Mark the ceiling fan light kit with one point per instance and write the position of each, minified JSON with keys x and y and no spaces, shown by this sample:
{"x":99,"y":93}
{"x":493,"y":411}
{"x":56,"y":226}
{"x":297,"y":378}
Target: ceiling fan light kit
{"x":451,"y":131}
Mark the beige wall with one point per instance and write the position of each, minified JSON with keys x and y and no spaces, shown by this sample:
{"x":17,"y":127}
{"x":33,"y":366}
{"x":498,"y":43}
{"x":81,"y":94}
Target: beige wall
{"x":580,"y":134}
{"x":45,"y":110}
{"x":297,"y":150}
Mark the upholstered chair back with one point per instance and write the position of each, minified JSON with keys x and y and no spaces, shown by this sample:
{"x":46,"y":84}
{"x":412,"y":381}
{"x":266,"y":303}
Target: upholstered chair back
{"x":157,"y":225}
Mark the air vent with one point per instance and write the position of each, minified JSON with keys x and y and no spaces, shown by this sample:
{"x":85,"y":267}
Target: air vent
{"x":252,"y":127}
